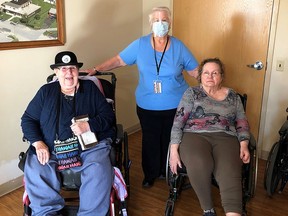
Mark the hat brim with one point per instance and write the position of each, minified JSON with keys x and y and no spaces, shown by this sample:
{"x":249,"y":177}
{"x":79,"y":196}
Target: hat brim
{"x":53,"y":66}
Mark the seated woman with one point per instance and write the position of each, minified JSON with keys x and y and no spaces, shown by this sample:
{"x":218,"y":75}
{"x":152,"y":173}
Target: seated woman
{"x":212,"y":133}
{"x":47,"y":126}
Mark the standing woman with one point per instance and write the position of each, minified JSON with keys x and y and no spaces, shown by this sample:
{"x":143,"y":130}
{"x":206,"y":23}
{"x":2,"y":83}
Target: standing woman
{"x":161,"y":59}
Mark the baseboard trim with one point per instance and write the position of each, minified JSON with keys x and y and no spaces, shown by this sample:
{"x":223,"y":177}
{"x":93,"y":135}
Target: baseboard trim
{"x":11,"y":185}
{"x":133,"y":129}
{"x":264,"y":155}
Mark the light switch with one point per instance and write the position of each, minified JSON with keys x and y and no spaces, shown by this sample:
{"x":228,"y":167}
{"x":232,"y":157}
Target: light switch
{"x":280,"y":65}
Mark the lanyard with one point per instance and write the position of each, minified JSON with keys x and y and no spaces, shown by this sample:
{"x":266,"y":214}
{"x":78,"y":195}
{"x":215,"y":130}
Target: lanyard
{"x":59,"y":111}
{"x":158,"y":66}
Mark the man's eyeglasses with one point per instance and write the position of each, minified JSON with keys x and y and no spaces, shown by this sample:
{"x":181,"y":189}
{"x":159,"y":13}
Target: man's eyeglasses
{"x":68,"y":68}
{"x":213,"y":74}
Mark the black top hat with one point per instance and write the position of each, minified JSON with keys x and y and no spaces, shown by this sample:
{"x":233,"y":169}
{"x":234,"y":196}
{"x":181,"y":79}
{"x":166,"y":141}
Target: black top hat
{"x":66,"y":58}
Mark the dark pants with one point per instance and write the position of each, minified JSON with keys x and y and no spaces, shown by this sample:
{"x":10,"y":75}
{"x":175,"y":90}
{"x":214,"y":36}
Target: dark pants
{"x":217,"y":153}
{"x":156,"y":129}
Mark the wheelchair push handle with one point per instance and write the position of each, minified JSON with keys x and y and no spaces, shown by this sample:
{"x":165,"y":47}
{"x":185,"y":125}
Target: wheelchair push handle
{"x":284,"y":128}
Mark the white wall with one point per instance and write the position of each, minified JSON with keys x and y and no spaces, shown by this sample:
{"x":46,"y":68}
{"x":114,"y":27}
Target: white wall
{"x":95,"y":30}
{"x":278,"y":91}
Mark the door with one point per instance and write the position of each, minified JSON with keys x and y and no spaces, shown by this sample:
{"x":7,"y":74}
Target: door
{"x":235,"y":31}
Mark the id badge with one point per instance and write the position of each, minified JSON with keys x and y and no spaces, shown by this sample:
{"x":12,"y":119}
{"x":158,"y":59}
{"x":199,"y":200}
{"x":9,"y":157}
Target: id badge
{"x":157,"y":86}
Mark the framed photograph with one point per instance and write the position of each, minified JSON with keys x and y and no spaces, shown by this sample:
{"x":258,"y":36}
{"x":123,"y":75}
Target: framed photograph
{"x":31,"y":23}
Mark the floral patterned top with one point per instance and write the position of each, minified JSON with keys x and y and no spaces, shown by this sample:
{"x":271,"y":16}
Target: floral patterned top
{"x":198,"y":113}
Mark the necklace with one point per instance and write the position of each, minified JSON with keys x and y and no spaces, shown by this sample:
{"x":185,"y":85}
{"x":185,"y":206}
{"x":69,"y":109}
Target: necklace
{"x":68,"y":97}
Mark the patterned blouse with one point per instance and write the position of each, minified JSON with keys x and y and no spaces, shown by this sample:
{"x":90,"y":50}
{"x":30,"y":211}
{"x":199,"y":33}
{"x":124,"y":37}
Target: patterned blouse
{"x":198,"y":113}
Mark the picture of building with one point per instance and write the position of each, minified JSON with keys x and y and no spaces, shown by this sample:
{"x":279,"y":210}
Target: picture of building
{"x":28,"y":20}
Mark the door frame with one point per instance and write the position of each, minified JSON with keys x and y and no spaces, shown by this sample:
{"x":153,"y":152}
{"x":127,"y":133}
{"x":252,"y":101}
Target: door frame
{"x":273,"y":26}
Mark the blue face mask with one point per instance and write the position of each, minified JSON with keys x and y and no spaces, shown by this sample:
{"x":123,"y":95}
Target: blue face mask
{"x":160,"y":29}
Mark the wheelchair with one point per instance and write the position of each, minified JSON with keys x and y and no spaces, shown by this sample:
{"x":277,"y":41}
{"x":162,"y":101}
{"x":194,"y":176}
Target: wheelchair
{"x":276,"y":170}
{"x":180,"y":182}
{"x":119,"y":156}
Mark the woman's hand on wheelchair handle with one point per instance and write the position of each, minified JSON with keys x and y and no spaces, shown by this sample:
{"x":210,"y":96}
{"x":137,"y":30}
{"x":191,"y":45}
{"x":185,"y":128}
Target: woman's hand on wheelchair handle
{"x":42,"y":152}
{"x":174,"y":159}
{"x":90,"y":71}
{"x":244,"y":151}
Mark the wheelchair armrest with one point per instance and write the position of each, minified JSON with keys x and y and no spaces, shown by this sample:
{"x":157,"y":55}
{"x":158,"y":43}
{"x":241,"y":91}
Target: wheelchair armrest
{"x":120,"y":133}
{"x":283,"y":128}
{"x":22,"y":158}
{"x":182,"y":170}
{"x":117,"y":145}
{"x":252,"y":143}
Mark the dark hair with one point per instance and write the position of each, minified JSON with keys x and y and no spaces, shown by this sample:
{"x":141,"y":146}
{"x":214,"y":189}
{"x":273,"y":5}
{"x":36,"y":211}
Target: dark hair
{"x":209,"y":60}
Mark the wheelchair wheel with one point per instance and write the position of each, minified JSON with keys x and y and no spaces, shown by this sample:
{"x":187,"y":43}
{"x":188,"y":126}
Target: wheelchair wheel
{"x":126,"y":162}
{"x":169,"y":208}
{"x":249,"y":173}
{"x":168,"y":172}
{"x":253,"y":168}
{"x":271,"y":177}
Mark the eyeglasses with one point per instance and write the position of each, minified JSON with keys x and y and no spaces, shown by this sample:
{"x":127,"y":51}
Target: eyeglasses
{"x":213,"y":74}
{"x":66,"y":68}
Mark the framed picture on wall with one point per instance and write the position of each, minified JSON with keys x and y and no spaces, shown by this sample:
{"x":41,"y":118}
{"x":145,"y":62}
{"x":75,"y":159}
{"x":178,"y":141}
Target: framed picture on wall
{"x":31,"y":23}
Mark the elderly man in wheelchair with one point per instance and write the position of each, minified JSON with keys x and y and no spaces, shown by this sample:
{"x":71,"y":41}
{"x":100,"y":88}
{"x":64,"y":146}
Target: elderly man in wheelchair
{"x":55,"y":142}
{"x":211,"y":134}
